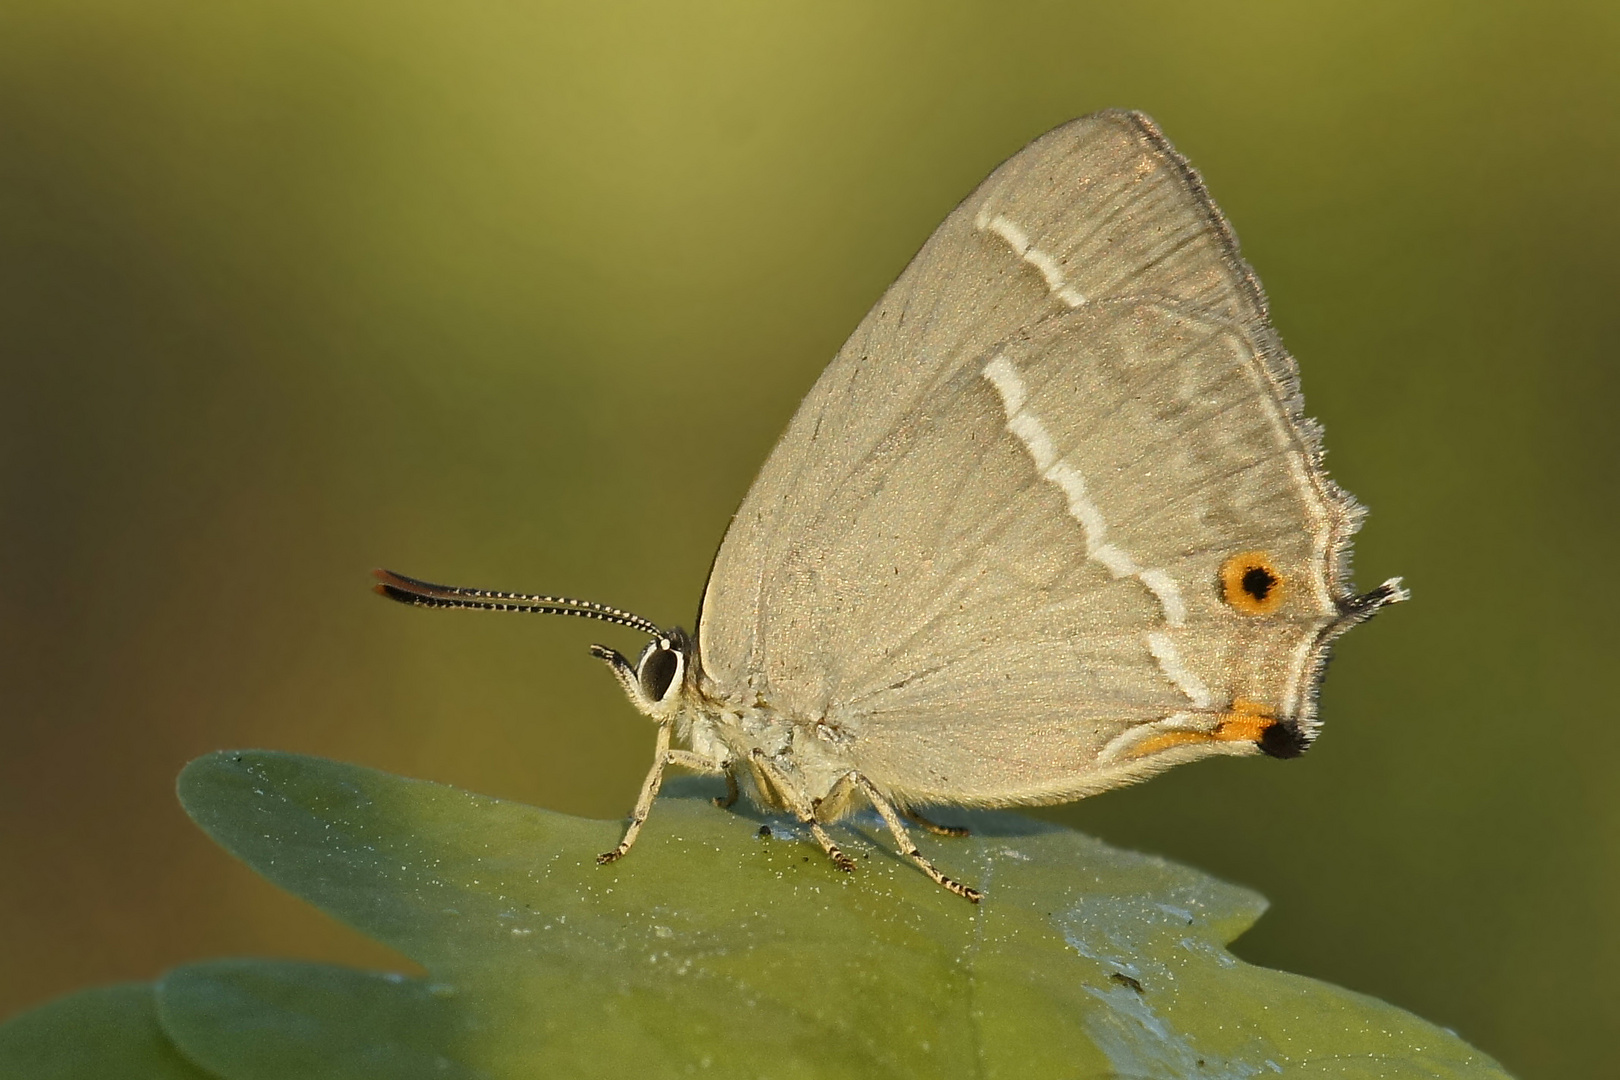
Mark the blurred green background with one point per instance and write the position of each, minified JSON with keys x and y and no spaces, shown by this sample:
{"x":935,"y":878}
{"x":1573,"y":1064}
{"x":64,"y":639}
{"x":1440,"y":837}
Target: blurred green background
{"x":520,"y":295}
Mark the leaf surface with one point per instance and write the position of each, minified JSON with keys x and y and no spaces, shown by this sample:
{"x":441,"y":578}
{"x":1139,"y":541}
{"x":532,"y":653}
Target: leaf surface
{"x":714,"y":947}
{"x":106,"y":1033}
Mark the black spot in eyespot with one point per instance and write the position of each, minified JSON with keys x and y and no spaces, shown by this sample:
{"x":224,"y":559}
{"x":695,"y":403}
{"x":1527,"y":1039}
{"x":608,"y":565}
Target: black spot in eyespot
{"x":764,"y":830}
{"x":1250,"y":584}
{"x":657,"y":672}
{"x":1258,"y":582}
{"x":1125,"y":980}
{"x":1283,"y":740}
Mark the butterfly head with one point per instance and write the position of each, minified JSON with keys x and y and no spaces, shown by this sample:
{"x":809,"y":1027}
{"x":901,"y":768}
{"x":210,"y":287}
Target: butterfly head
{"x":658,"y":684}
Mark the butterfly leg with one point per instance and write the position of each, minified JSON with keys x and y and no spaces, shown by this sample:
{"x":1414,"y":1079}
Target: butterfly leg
{"x":897,"y":828}
{"x":663,"y":757}
{"x":931,"y":826}
{"x":686,"y":759}
{"x":805,"y":814}
{"x":649,"y":792}
{"x":696,"y":762}
{"x":729,"y":799}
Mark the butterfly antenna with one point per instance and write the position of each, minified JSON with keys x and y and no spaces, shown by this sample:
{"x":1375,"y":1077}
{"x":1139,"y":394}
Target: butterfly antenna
{"x":407,"y":590}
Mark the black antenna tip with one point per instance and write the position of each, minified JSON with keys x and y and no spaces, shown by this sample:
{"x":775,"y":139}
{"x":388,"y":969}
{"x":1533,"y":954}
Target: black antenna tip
{"x":396,"y":594}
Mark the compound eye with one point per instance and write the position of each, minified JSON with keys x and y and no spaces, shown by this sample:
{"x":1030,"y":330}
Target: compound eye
{"x":1251,"y":583}
{"x":660,"y":665}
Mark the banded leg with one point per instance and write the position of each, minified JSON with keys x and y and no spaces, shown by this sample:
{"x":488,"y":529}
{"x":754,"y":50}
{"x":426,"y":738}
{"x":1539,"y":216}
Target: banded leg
{"x":892,"y":819}
{"x":805,"y":814}
{"x":933,"y":827}
{"x":663,"y":757}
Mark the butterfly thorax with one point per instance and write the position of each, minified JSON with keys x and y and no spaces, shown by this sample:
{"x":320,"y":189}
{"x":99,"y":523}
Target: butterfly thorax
{"x":786,"y":763}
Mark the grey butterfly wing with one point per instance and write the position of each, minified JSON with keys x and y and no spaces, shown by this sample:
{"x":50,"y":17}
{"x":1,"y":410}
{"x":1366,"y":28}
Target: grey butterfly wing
{"x":986,"y":556}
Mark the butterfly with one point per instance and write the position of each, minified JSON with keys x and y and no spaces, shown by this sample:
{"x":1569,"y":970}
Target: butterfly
{"x":1051,"y":522}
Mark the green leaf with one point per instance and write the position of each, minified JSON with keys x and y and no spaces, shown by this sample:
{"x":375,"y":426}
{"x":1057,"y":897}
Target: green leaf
{"x":274,"y":1020}
{"x":712,"y":947}
{"x":109,"y":1033}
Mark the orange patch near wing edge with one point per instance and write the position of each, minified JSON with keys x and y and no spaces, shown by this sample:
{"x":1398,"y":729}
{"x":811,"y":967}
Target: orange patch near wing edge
{"x":1252,"y":584}
{"x":1247,"y":721}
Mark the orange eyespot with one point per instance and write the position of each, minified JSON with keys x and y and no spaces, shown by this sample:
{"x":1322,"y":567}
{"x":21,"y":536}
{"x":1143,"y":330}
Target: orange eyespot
{"x":1252,"y":584}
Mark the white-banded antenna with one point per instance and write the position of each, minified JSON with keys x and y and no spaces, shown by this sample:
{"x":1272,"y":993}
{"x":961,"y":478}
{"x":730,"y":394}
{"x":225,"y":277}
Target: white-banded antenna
{"x":407,"y":590}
